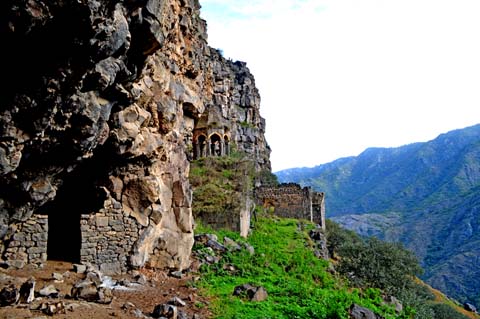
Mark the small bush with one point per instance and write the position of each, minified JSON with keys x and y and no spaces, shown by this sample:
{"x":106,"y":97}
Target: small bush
{"x":443,"y":311}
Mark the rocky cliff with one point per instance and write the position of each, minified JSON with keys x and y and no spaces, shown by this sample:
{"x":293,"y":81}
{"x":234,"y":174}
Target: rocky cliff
{"x":97,"y":120}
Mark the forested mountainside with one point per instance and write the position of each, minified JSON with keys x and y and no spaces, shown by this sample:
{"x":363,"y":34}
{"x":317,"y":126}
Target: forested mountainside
{"x":425,"y":195}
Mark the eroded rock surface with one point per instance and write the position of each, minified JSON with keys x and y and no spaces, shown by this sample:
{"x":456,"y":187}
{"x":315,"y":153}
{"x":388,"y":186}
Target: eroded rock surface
{"x":96,"y":128}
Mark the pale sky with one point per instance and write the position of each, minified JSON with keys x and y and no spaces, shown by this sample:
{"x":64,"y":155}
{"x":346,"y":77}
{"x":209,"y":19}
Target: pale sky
{"x":338,"y":76}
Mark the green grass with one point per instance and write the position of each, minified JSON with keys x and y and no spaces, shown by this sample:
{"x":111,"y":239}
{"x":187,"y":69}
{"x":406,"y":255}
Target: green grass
{"x":297,"y":282}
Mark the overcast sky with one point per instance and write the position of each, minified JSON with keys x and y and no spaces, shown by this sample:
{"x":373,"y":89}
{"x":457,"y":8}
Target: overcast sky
{"x":339,"y":76}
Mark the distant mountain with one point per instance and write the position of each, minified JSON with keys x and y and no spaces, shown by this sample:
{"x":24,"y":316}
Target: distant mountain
{"x":426,"y":195}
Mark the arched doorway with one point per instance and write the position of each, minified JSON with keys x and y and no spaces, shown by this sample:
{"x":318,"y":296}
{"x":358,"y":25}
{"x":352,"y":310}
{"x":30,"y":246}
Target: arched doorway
{"x":216,"y":145}
{"x":201,"y":146}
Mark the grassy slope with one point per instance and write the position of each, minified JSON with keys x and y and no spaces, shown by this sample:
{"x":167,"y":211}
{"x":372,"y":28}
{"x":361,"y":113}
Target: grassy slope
{"x":441,"y":298}
{"x":298,"y":283}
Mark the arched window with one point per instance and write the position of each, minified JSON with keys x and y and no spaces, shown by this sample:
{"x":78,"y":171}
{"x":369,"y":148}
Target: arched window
{"x":201,"y":147}
{"x":216,"y":145}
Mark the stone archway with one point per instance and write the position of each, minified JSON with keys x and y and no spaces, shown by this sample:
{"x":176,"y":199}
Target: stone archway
{"x":201,"y":146}
{"x":216,"y":145}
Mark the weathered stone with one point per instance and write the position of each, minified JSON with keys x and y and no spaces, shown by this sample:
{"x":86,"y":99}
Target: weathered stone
{"x":105,"y":295}
{"x":260,"y":294}
{"x":53,"y":308}
{"x":49,"y":291}
{"x":249,"y":248}
{"x":85,"y":290}
{"x":57,"y":277}
{"x":204,"y":238}
{"x":253,"y":293}
{"x":165,"y":310}
{"x":215,"y":245}
{"x":176,"y":274}
{"x":79,"y":269}
{"x":177,"y":302}
{"x":27,"y":291}
{"x":112,"y":268}
{"x":358,"y":312}
{"x":231,"y":244}
{"x":9,"y":295}
{"x":102,"y":221}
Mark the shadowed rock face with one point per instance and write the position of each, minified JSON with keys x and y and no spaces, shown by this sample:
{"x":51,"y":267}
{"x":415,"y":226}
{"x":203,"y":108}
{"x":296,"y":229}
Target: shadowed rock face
{"x":97,"y":118}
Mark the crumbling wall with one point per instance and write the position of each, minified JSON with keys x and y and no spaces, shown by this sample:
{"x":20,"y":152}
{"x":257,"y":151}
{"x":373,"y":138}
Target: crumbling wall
{"x":290,"y":200}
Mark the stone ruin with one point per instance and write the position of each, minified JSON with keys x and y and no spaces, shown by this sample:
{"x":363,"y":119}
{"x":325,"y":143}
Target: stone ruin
{"x":290,"y":200}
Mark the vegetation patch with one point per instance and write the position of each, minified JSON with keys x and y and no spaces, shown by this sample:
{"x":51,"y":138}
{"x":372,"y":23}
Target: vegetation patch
{"x":299,"y":284}
{"x":219,"y":183}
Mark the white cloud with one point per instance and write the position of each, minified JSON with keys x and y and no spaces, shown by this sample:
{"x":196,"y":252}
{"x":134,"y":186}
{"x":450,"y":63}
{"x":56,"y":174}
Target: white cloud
{"x":339,"y":76}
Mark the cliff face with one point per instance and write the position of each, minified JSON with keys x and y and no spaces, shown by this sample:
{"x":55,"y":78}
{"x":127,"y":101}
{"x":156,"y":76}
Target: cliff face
{"x":97,"y":125}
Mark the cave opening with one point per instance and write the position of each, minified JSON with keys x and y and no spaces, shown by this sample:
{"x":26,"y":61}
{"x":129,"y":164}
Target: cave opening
{"x":80,"y":193}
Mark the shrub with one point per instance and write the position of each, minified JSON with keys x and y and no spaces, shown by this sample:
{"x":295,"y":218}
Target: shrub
{"x":444,"y":311}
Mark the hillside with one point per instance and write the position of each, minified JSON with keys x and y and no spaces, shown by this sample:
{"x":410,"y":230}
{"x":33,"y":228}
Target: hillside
{"x":278,"y":257}
{"x":425,"y":195}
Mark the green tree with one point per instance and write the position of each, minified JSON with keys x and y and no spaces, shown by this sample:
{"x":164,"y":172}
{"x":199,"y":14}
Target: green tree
{"x":374,"y":263}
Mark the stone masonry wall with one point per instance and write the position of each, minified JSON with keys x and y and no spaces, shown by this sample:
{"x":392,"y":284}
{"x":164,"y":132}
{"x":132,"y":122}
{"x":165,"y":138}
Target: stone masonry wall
{"x":292,"y":201}
{"x":108,"y":238}
{"x":28,"y":244}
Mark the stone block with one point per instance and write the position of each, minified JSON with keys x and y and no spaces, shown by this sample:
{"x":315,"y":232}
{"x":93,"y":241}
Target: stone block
{"x":87,"y":252}
{"x":112,"y":268}
{"x":36,"y":250}
{"x":101,"y":221}
{"x":19,"y":237}
{"x":42,"y":236}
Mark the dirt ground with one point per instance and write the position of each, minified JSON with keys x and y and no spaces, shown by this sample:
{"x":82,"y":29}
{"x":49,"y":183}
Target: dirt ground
{"x":158,"y":289}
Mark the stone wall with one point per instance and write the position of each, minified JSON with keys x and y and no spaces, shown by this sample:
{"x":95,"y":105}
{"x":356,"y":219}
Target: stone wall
{"x":28,"y":242}
{"x":292,"y":201}
{"x":108,"y":238}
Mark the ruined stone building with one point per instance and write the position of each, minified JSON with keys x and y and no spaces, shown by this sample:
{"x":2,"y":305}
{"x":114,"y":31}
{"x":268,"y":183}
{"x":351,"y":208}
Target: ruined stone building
{"x":98,"y":125}
{"x":292,"y":201}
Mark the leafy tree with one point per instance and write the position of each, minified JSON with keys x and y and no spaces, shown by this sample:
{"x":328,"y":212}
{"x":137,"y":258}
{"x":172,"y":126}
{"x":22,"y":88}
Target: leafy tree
{"x":338,"y":236}
{"x":374,"y":263}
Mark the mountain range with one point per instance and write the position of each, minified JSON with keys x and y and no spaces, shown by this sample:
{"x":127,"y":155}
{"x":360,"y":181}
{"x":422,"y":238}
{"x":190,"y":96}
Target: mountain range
{"x":425,"y":195}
